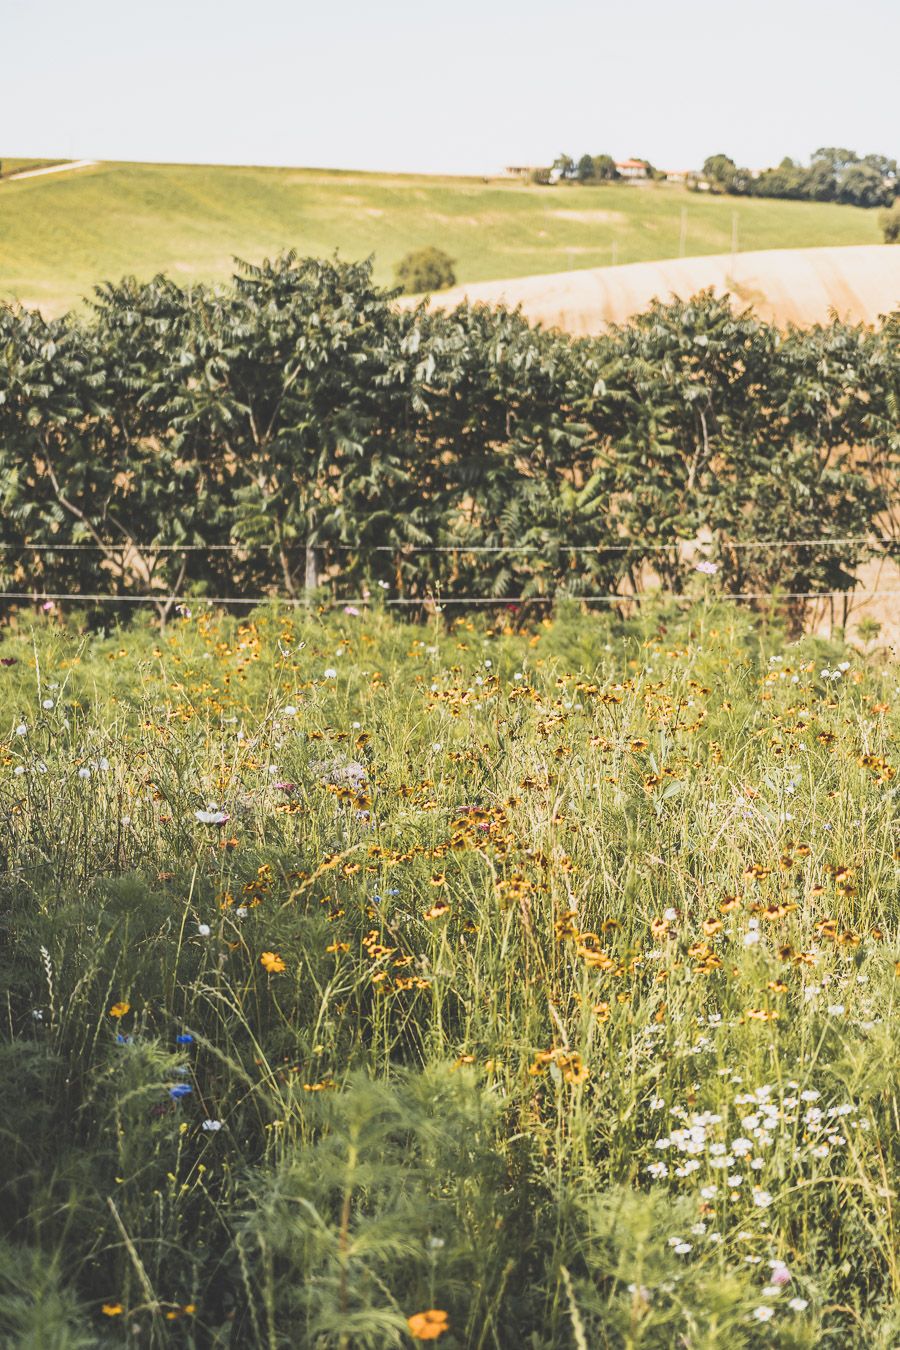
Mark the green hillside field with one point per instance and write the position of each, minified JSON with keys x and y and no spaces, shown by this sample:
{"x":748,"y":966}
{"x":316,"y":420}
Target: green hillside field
{"x":62,"y":234}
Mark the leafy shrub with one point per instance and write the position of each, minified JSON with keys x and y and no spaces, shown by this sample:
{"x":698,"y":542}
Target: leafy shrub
{"x":425,"y":270}
{"x":890,"y":223}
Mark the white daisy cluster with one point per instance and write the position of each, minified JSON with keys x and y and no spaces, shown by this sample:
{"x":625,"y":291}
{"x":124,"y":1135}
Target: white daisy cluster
{"x":730,"y":1157}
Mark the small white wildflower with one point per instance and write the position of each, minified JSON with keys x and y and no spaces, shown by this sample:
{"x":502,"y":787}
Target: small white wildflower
{"x":19,"y":770}
{"x":21,"y":729}
{"x":84,"y":772}
{"x":47,"y":704}
{"x":242,"y":911}
{"x":762,"y":1199}
{"x":212,"y":817}
{"x":204,"y":929}
{"x":682,"y":1248}
{"x":211,"y":1126}
{"x":289,"y":710}
{"x":763,"y":1313}
{"x":798,"y":1304}
{"x":330,"y":673}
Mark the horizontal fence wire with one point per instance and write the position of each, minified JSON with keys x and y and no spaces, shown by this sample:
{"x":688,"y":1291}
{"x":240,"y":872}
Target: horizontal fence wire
{"x":637,"y":546}
{"x":503,"y":600}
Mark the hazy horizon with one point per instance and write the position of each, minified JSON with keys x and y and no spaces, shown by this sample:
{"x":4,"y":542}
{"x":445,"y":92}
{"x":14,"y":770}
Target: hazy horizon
{"x":416,"y":89}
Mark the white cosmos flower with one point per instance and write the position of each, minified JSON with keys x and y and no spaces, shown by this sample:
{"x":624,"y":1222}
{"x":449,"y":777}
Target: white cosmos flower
{"x":211,"y":1126}
{"x":211,"y":817}
{"x":204,"y":929}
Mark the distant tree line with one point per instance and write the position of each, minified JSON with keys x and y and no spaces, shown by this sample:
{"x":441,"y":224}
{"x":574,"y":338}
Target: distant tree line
{"x":833,"y":174}
{"x":296,"y":432}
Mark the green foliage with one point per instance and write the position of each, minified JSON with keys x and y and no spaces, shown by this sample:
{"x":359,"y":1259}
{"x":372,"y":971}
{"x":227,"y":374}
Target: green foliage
{"x":297,"y":431}
{"x":536,"y":898}
{"x":605,"y":168}
{"x":833,"y":175}
{"x":890,"y":224}
{"x":425,"y":270}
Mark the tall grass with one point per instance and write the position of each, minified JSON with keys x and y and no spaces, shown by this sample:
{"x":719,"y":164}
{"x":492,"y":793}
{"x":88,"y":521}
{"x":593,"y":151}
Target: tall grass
{"x":538,"y":990}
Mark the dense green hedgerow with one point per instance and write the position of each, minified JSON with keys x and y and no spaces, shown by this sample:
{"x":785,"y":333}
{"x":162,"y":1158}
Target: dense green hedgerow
{"x":295,"y":432}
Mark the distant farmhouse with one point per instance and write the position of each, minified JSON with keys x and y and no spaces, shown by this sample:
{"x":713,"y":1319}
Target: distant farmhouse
{"x":632,"y":169}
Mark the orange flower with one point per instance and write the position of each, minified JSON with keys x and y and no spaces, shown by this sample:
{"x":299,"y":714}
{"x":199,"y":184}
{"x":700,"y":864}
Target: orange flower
{"x":272,"y":962}
{"x":427,"y":1326}
{"x":119,"y":1009}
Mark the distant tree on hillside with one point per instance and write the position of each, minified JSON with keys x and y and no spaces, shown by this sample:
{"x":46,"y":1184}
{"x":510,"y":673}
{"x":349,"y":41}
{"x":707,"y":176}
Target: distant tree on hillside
{"x":720,"y":171}
{"x":565,"y":165}
{"x":425,"y":269}
{"x":585,"y":170}
{"x":605,"y":168}
{"x":890,"y":223}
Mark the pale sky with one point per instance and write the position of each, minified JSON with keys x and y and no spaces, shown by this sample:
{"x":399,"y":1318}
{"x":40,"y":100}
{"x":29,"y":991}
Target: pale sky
{"x":462,"y":86}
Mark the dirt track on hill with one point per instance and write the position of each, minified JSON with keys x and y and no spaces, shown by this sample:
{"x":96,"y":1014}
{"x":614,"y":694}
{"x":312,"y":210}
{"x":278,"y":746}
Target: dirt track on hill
{"x":798,"y":286}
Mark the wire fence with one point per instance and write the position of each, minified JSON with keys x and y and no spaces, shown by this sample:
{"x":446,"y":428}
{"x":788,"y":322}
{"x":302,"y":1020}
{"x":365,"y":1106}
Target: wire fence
{"x":38,"y":596}
{"x":610,"y":598}
{"x":636,"y":546}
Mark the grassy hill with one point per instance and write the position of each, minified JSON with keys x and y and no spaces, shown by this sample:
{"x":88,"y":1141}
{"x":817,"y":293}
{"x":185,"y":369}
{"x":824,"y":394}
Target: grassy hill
{"x":60,"y":235}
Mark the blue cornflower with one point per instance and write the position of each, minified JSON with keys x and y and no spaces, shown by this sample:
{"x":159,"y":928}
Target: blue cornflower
{"x":180,"y":1090}
{"x":185,"y":1038}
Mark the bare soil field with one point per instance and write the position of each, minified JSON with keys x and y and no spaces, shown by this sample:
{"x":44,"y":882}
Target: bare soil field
{"x":800,"y":286}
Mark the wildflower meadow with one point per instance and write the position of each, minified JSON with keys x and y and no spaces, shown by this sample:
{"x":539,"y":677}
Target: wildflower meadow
{"x":508,"y":983}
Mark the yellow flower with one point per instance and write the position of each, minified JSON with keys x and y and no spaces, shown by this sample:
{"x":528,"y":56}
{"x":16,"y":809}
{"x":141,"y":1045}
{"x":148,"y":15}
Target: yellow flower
{"x":427,"y":1326}
{"x":112,"y":1310}
{"x":119,"y":1009}
{"x":272,"y":962}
